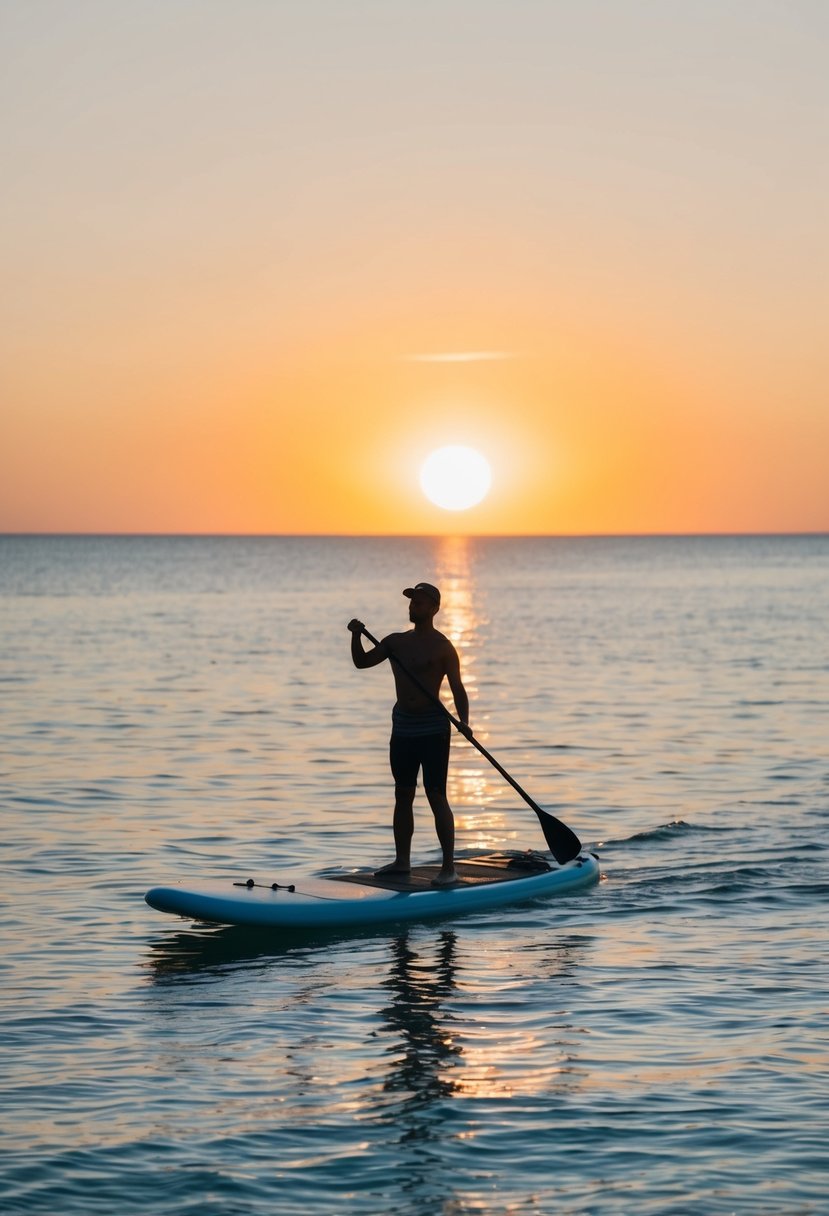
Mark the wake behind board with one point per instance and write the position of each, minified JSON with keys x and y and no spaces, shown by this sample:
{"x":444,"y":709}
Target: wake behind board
{"x":362,"y":897}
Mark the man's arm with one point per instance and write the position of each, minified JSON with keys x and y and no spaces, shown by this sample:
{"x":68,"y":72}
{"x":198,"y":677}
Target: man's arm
{"x":360,"y":657}
{"x":453,"y":675}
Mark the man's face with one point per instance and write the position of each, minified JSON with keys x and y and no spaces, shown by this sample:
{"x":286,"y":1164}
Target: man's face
{"x":421,"y":607}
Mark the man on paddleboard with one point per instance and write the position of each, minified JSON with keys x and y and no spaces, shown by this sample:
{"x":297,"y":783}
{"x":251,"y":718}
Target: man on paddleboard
{"x":420,"y":729}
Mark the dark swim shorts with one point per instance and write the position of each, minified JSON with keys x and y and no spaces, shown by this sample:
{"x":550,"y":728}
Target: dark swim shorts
{"x":419,"y":741}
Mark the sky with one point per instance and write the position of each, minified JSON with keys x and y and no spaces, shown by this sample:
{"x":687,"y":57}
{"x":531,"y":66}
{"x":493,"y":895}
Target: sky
{"x":260,"y":258}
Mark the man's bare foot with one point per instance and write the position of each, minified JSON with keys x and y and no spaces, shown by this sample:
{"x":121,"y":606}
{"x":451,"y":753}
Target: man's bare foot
{"x":394,"y":867}
{"x":445,"y":878}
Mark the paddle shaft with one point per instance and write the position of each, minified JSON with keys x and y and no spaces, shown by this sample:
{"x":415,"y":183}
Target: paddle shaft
{"x":564,"y":844}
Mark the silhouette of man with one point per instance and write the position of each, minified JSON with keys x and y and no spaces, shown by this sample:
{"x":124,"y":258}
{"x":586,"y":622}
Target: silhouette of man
{"x":420,"y":730}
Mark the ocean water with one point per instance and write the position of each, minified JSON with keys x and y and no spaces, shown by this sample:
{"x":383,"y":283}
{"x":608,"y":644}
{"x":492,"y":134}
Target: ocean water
{"x":186,"y":708}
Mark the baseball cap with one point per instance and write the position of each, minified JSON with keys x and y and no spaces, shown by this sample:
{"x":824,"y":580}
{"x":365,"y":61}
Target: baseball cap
{"x":427,"y":589}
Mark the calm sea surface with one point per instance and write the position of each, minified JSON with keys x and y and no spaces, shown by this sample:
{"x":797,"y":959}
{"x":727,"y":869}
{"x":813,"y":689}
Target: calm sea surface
{"x":185,"y":708}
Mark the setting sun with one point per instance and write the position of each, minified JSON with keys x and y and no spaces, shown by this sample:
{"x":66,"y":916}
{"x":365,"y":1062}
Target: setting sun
{"x":455,"y":478}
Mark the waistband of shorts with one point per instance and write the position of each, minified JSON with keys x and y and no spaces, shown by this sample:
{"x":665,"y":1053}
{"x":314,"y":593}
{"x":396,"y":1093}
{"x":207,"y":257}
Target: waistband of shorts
{"x":413,"y":726}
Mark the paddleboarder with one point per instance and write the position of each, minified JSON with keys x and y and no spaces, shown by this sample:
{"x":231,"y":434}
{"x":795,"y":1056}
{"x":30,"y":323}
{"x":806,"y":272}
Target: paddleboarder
{"x":420,"y":729}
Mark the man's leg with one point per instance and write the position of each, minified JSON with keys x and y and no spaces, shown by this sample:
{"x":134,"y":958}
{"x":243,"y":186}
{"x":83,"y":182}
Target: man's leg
{"x":445,"y":828}
{"x":403,"y":828}
{"x":403,"y":825}
{"x":435,"y":759}
{"x":404,"y":767}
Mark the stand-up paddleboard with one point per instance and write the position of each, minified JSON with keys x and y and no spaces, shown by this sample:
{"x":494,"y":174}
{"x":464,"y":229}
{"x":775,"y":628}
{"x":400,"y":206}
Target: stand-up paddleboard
{"x":362,"y":897}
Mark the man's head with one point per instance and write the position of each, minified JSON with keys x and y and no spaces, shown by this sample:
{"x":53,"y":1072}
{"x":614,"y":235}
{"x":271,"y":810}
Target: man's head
{"x":424,"y":601}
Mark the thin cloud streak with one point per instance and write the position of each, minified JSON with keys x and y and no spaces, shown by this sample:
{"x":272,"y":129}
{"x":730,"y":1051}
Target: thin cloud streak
{"x":462,"y":356}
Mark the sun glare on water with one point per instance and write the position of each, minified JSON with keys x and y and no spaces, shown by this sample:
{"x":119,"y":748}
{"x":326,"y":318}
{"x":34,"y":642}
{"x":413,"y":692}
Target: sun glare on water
{"x":455,"y":477}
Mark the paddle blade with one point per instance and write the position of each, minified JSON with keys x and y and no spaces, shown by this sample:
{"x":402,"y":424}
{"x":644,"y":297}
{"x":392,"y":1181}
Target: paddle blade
{"x":561,"y":841}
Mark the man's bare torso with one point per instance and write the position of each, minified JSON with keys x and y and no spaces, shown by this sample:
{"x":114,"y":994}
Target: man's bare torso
{"x":427,"y":656}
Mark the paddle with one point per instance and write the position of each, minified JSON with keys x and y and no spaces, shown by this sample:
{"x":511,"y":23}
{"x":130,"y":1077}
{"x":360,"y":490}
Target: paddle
{"x":564,"y":844}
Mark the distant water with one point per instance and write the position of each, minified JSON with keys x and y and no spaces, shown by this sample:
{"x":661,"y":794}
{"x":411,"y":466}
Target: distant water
{"x":186,"y":708}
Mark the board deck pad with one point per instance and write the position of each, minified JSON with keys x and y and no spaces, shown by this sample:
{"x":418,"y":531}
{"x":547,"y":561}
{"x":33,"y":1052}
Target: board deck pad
{"x":474,"y":872}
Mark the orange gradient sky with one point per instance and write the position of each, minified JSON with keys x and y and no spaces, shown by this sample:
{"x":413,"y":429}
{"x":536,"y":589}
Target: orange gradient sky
{"x":240,"y":241}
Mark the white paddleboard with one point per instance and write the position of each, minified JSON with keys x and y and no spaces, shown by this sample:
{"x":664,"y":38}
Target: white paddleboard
{"x":360,"y":897}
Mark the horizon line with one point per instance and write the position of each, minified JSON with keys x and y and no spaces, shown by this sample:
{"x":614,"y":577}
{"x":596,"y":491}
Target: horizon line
{"x":644,"y":535}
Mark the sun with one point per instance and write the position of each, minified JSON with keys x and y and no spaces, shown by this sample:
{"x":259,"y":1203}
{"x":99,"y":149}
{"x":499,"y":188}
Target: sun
{"x":455,"y":477}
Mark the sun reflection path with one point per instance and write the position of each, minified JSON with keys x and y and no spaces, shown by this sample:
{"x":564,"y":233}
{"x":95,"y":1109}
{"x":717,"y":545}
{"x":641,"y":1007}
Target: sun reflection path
{"x":472,"y":785}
